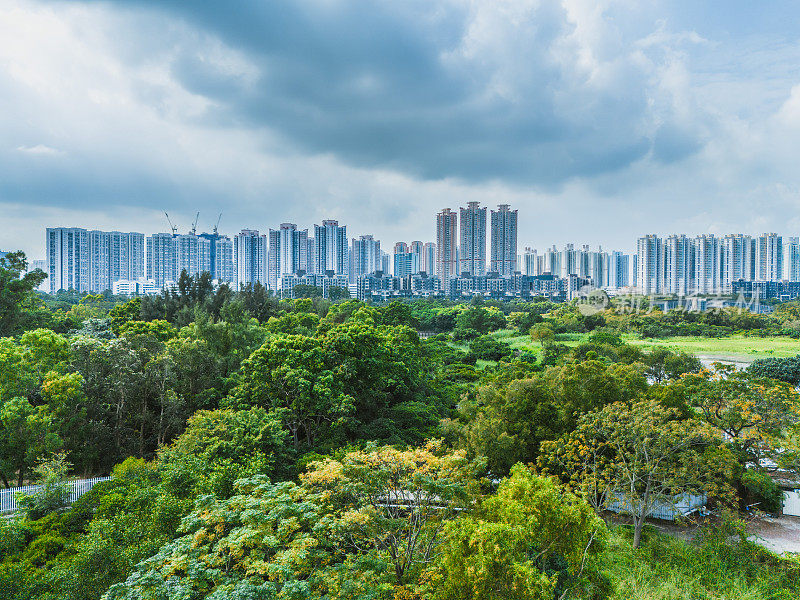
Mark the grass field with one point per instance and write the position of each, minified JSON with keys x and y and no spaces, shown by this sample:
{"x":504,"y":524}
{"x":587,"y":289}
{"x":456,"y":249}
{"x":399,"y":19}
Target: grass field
{"x":735,"y":347}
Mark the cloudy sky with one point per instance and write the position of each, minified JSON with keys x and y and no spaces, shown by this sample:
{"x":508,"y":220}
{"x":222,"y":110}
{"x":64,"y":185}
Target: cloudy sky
{"x":600,"y":120}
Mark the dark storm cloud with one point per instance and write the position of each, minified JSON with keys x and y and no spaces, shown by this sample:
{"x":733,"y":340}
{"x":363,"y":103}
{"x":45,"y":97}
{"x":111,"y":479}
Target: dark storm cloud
{"x":413,"y":86}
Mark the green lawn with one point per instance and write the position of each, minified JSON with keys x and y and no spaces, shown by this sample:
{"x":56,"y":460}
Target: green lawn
{"x":736,"y":347}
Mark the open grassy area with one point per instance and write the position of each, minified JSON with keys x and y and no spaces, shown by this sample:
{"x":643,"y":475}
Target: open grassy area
{"x":736,"y":347}
{"x":667,"y":568}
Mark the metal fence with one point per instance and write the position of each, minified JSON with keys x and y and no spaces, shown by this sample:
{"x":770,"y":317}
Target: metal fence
{"x":8,"y":497}
{"x":670,"y":509}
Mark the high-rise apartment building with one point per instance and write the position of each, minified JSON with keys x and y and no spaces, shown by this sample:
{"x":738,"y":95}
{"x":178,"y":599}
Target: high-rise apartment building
{"x":599,"y":267}
{"x":503,"y":255}
{"x":330,"y":241}
{"x":679,"y":265}
{"x":400,"y":248}
{"x":650,"y":264}
{"x":530,"y":261}
{"x":472,"y":248}
{"x":288,"y":253}
{"x":192,"y":254}
{"x":251,"y":251}
{"x":793,"y":259}
{"x":428,"y":262}
{"x":67,"y":252}
{"x":770,"y":257}
{"x":161,"y":258}
{"x":91,"y":261}
{"x":221,"y":263}
{"x":618,"y":270}
{"x":738,"y":259}
{"x":405,"y":264}
{"x":446,"y":246}
{"x":708,"y":264}
{"x":365,"y":257}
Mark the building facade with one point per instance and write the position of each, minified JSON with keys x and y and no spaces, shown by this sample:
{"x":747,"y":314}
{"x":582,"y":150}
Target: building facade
{"x":503,"y":255}
{"x":472,"y":247}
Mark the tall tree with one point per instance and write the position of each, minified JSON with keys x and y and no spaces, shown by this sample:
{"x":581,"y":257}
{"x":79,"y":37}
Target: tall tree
{"x":17,"y":287}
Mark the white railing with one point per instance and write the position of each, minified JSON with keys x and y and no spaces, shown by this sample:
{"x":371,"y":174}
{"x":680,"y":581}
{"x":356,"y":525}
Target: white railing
{"x":8,"y":497}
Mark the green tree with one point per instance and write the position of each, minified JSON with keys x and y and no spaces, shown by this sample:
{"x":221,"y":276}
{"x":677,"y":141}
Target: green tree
{"x":296,"y":377}
{"x":17,"y":294}
{"x":542,"y":333}
{"x":638,"y":455}
{"x":336,"y":293}
{"x":53,"y":493}
{"x":531,"y":541}
{"x":27,"y":434}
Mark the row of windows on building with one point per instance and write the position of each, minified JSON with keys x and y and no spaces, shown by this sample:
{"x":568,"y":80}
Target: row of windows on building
{"x":709,"y":264}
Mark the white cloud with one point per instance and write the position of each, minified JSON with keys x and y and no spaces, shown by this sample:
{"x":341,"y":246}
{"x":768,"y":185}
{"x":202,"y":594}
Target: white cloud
{"x":40,"y":149}
{"x":540,"y":104}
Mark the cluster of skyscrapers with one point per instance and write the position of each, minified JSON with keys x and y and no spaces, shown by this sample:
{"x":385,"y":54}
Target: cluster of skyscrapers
{"x":455,"y":264}
{"x":95,"y":261}
{"x":708,"y":264}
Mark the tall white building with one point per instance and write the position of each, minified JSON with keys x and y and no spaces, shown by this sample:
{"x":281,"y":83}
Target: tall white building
{"x":770,"y":257}
{"x":793,"y":259}
{"x":417,"y":248}
{"x":708,"y":264}
{"x":650,"y":264}
{"x":618,"y":270}
{"x":529,"y":261}
{"x":472,"y":249}
{"x":251,"y":251}
{"x":91,"y":261}
{"x":288,"y":253}
{"x":599,"y":267}
{"x":679,"y":265}
{"x":365,"y":257}
{"x":428,"y":262}
{"x":738,"y":259}
{"x":192,"y":254}
{"x":446,"y":246}
{"x":330,"y":240}
{"x":221,"y":263}
{"x":503,"y":254}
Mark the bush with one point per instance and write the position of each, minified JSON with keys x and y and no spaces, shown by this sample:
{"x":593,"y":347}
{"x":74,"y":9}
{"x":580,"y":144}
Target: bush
{"x":54,"y":491}
{"x":488,"y":348}
{"x":762,"y":491}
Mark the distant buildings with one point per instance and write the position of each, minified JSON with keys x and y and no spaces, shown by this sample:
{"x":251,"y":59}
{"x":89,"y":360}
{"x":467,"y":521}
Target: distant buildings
{"x":504,"y":241}
{"x":446,"y":246}
{"x":708,"y":264}
{"x":330,"y":253}
{"x":91,"y":261}
{"x":365,"y":257}
{"x":472,"y":248}
{"x":251,"y":251}
{"x":455,"y":265}
{"x":288,"y":253}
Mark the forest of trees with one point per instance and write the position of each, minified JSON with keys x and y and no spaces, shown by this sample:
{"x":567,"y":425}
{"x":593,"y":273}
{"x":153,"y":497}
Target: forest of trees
{"x":315,"y":448}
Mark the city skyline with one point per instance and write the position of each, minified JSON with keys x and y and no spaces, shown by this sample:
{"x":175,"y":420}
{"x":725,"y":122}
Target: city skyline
{"x":601,"y":119}
{"x":91,"y":260}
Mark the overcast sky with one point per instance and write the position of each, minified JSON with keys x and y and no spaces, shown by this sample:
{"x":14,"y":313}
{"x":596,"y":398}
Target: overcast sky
{"x":599,"y":120}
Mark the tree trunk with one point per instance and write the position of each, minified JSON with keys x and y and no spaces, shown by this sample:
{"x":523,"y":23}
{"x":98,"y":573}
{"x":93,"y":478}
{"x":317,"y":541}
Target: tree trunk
{"x":637,"y":531}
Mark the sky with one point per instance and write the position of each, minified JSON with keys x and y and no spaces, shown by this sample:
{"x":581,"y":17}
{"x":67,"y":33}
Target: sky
{"x":599,"y":120}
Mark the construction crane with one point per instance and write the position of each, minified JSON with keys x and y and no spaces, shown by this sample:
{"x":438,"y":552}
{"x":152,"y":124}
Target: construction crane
{"x":217,"y":225}
{"x":194,"y":225}
{"x":171,"y":226}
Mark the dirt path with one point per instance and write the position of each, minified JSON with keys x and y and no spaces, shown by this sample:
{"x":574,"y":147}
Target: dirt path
{"x":778,"y":535}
